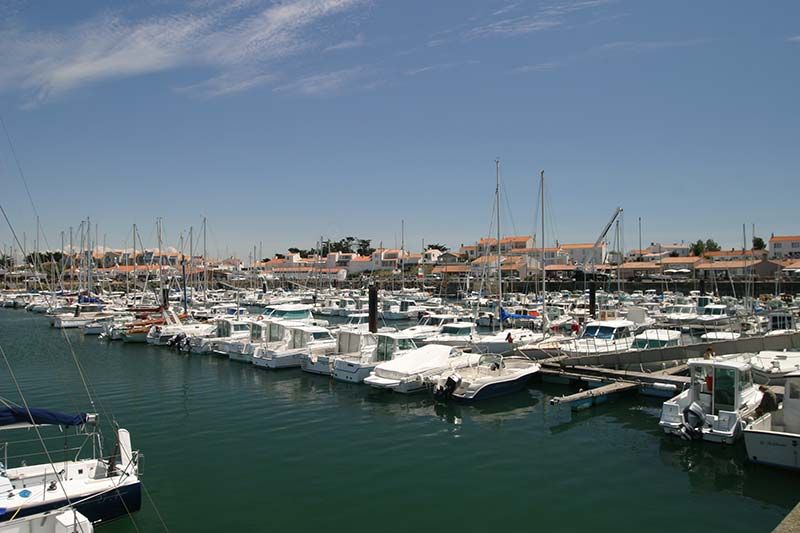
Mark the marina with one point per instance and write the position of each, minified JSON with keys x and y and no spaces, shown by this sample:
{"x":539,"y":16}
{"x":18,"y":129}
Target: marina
{"x":391,"y":396}
{"x":365,"y":266}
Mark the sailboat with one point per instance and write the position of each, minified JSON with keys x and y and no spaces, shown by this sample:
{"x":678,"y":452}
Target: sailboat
{"x":100,"y":488}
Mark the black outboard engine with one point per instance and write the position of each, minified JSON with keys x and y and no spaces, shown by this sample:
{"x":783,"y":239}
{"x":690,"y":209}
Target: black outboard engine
{"x":445,"y":392}
{"x":693,"y":419}
{"x":175,"y":340}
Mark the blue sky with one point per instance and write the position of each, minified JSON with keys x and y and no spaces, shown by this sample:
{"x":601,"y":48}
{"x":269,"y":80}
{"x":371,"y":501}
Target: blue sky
{"x":284,"y":121}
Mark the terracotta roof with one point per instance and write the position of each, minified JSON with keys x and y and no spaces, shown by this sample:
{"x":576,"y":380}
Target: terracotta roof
{"x":361,"y":258}
{"x":734,"y":253}
{"x":470,"y":247}
{"x":558,"y":268}
{"x":518,"y":238}
{"x":784,"y":238}
{"x":640,"y":265}
{"x":487,"y":240}
{"x":726,"y":265}
{"x":680,"y":260}
{"x":451,"y":269}
{"x":578,"y":246}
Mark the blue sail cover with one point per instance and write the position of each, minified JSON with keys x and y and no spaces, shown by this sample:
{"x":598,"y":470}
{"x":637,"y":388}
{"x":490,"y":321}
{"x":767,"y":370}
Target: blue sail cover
{"x":505,"y":316}
{"x":20,"y":415}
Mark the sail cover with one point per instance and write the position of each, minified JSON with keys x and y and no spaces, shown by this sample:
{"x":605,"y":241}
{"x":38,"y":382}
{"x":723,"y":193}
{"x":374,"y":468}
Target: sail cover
{"x":505,"y":316}
{"x":19,"y":415}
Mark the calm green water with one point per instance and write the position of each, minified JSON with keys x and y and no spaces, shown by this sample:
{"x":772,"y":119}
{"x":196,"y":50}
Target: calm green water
{"x":229,"y":447}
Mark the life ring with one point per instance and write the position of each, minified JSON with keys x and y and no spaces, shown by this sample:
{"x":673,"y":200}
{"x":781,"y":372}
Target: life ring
{"x":260,"y":317}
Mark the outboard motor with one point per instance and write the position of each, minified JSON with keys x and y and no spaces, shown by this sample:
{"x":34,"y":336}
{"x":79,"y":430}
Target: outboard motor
{"x":693,"y":419}
{"x":444,"y":391}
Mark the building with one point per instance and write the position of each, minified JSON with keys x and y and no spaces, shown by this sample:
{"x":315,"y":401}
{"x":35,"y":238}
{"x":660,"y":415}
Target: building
{"x":736,"y":255}
{"x":784,"y":246}
{"x":763,"y":269}
{"x":586,"y":254}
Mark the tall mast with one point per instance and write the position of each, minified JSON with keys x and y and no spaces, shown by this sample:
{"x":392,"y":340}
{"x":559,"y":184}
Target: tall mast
{"x":402,"y":254}
{"x":71,"y":259}
{"x":499,"y":271}
{"x":544,"y":272}
{"x":134,"y":258}
{"x":91,"y":256}
{"x":191,"y":256}
{"x":205,"y":263}
{"x":160,"y":264}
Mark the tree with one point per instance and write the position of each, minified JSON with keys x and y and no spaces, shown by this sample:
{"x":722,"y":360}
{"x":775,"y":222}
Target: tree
{"x":712,"y":246}
{"x":698,"y":248}
{"x":758,"y":243}
{"x":441,"y":247}
{"x":364,"y":247}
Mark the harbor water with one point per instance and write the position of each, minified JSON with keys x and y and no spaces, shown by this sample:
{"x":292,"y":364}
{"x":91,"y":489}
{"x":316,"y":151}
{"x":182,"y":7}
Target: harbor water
{"x":231,"y":447}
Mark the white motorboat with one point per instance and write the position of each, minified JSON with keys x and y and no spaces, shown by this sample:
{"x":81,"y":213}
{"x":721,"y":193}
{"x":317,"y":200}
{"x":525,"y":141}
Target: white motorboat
{"x":770,"y":366}
{"x":602,"y":337}
{"x":656,"y":338}
{"x":454,"y":334}
{"x":301,"y":341}
{"x":411,"y":372}
{"x":492,"y":376}
{"x":774,"y":438}
{"x":506,"y":341}
{"x":227,"y":329}
{"x":678,"y":315}
{"x":721,"y":395}
{"x":429,"y":325}
{"x":366,"y":352}
{"x":715,"y":316}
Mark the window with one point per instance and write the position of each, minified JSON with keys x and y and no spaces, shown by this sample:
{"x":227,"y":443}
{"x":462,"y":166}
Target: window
{"x":778,"y":245}
{"x":724,"y":390}
{"x":794,"y":391}
{"x":796,"y":245}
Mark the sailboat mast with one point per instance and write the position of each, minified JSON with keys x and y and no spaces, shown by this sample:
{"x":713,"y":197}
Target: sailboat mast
{"x":544,"y":272}
{"x":402,"y":254}
{"x":499,"y":262}
{"x":134,"y":257}
{"x":205,"y":264}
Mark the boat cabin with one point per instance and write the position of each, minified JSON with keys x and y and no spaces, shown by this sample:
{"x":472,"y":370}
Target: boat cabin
{"x":607,"y":330}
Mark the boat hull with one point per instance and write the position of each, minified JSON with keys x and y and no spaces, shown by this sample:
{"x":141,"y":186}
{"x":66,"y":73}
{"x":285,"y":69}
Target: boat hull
{"x":103,"y":507}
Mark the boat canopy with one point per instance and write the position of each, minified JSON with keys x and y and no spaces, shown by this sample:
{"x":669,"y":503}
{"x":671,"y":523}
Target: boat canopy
{"x":22,"y":417}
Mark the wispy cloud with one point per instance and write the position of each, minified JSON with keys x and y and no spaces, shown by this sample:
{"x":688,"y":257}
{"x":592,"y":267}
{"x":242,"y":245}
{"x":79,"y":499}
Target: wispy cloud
{"x":640,"y":46}
{"x":544,"y":18}
{"x":241,"y":42}
{"x":793,"y":39}
{"x":356,"y":42}
{"x":539,"y":67}
{"x":438,"y":66}
{"x":327,"y":83}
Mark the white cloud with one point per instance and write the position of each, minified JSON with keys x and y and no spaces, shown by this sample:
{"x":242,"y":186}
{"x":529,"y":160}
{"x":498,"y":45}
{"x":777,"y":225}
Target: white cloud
{"x":547,"y":17}
{"x":793,"y":39}
{"x":357,"y":42}
{"x":438,"y":66}
{"x":242,"y":42}
{"x":639,"y":46}
{"x":325,"y":83}
{"x":539,"y":67}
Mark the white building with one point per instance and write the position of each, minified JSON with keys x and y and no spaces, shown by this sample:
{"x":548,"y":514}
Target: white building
{"x":784,"y":246}
{"x":586,"y":254}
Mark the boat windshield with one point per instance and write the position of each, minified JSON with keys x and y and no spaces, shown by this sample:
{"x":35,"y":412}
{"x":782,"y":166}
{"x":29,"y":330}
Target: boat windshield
{"x":645,"y":344}
{"x":455,"y":330}
{"x":292,"y":315}
{"x":385,"y":348}
{"x":599,"y":332}
{"x":321,"y":335}
{"x":406,"y":344}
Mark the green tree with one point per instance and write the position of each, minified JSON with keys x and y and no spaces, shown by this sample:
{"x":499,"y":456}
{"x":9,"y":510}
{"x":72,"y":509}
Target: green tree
{"x":364,"y":247}
{"x":712,"y":246}
{"x":698,"y":248}
{"x":441,"y":247}
{"x":758,"y":243}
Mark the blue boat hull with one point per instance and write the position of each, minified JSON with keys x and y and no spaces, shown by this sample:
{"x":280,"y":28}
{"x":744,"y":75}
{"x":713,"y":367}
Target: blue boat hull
{"x":494,"y":390}
{"x":102,"y":508}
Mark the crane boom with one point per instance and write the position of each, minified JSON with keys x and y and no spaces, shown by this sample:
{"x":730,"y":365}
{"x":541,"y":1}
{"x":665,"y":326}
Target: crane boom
{"x":617,"y":213}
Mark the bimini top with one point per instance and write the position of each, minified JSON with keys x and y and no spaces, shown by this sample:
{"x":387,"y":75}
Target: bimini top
{"x":14,"y":417}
